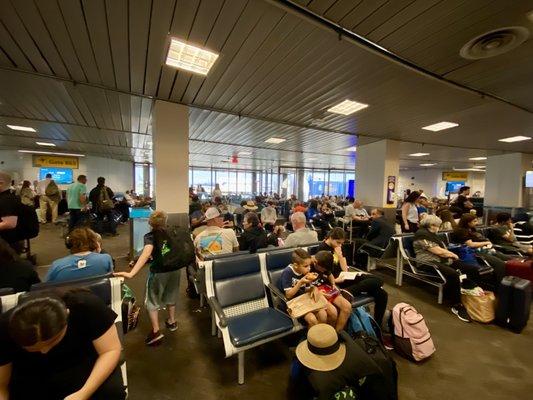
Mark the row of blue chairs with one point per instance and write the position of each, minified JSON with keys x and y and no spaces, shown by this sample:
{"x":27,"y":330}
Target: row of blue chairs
{"x":246,"y":302}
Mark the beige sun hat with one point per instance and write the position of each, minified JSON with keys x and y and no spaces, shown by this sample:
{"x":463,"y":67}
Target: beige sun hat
{"x":322,"y":350}
{"x":250,"y":205}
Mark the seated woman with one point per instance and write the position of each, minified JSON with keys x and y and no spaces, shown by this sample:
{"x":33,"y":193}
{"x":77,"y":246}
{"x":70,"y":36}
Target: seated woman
{"x":465,"y":233}
{"x":60,"y":347}
{"x":254,"y":236}
{"x":85,"y":260}
{"x":430,"y":249}
{"x":15,"y":273}
{"x":296,"y":280}
{"x":448,"y":222}
{"x":364,"y":283}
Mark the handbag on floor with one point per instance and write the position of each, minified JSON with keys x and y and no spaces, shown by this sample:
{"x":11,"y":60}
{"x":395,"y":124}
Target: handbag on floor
{"x":480,"y":307}
{"x":130,"y":310}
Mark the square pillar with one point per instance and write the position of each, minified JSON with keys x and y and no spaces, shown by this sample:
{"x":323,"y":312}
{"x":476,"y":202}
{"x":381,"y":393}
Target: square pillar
{"x":170,"y":130}
{"x":377,"y":164}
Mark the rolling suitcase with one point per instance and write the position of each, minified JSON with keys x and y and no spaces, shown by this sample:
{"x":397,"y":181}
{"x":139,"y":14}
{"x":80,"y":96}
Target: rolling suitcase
{"x":521,"y":268}
{"x":514,"y":302}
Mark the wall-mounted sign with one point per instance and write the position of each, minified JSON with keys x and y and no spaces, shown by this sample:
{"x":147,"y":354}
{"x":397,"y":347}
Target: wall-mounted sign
{"x":454,"y":176}
{"x":391,"y":188}
{"x":55,"y":161}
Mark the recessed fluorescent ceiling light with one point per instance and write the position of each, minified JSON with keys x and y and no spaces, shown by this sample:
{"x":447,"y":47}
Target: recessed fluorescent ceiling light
{"x":46,"y":144}
{"x":347,"y":107}
{"x":275,"y":140}
{"x":440,"y":126}
{"x":190,"y":58}
{"x":427,"y":165}
{"x":51,"y":152}
{"x":311,"y":159}
{"x":479,"y":166}
{"x":21,"y":128}
{"x":419,"y":154}
{"x":245,"y":153}
{"x":353,"y":148}
{"x":477,"y":158}
{"x":514,"y":139}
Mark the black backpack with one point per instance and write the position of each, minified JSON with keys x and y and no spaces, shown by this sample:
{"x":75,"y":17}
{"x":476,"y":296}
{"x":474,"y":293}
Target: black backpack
{"x":173,"y":249}
{"x":27,"y":223}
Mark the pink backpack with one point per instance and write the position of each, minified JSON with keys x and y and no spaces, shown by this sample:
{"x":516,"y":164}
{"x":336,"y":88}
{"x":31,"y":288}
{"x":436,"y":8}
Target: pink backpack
{"x":412,"y":339}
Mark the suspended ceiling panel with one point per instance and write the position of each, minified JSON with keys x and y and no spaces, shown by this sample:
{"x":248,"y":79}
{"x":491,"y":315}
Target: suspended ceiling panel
{"x":276,"y":70}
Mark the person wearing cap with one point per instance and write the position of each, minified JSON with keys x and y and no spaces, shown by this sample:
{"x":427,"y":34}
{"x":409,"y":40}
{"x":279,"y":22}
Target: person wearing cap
{"x":332,"y":362}
{"x":214,"y":239}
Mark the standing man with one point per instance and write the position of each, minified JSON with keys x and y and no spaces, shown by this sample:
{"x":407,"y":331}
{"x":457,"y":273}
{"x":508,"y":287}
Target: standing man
{"x":101,"y":198}
{"x":48,"y":195}
{"x":77,"y":200}
{"x":9,"y":211}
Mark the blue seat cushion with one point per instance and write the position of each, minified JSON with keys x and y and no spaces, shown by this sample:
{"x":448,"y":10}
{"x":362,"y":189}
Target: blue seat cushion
{"x":257,"y":325}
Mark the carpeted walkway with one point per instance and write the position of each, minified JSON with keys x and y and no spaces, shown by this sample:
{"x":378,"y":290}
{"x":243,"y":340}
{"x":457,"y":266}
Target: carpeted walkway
{"x":473,"y":361}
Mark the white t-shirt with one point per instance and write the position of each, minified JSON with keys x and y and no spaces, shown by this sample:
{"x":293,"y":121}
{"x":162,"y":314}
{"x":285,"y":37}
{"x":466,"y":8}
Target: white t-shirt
{"x":215,"y":240}
{"x":351,"y":212}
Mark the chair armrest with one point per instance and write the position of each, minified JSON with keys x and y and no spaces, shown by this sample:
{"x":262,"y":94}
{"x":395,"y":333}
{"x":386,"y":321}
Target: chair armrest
{"x":276,"y":292}
{"x":422,"y":262}
{"x":217,"y":308}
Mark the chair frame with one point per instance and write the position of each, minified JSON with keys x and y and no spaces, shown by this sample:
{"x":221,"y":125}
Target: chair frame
{"x":415,"y":272}
{"x":220,"y":318}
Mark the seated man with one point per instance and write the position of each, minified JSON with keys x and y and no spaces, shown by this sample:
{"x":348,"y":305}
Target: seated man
{"x":85,"y":260}
{"x":15,"y":273}
{"x":329,"y":362}
{"x":358,"y":216}
{"x":381,"y":230}
{"x":269,"y":215}
{"x":302,"y":235}
{"x":502,"y":234}
{"x":214,"y":239}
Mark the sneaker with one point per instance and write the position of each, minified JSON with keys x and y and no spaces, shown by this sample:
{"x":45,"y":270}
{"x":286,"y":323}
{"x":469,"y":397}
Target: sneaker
{"x":153,"y":338}
{"x":461,"y":313}
{"x":171,"y":327}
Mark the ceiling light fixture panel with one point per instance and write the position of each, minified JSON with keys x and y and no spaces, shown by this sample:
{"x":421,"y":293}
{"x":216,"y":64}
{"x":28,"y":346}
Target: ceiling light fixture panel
{"x":347,"y":107}
{"x":21,"y":128}
{"x":46,"y":144}
{"x":275,"y":140}
{"x":190,"y":58}
{"x":353,"y":148}
{"x":244,"y":153}
{"x":51,"y":152}
{"x":427,"y":165}
{"x":440,"y":126}
{"x":513,"y":139}
{"x":477,"y":158}
{"x":418,"y":154}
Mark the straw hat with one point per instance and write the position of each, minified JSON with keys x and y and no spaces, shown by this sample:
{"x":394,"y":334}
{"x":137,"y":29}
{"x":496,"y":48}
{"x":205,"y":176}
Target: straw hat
{"x":322,"y":350}
{"x":250,"y":205}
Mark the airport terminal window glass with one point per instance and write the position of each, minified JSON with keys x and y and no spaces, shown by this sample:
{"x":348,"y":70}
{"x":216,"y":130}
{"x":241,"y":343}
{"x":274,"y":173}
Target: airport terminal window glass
{"x":336,"y":184}
{"x":274,"y":183}
{"x":349,"y":176}
{"x":317,"y":183}
{"x":222,"y":178}
{"x":139,"y":178}
{"x":202,"y":177}
{"x":232,"y":181}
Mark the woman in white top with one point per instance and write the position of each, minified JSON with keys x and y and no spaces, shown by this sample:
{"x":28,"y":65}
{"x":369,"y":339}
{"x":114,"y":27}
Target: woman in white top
{"x":216,"y":191}
{"x":410,"y":213}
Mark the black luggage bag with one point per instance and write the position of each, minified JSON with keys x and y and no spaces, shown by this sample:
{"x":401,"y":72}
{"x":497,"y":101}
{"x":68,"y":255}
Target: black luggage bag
{"x":514,"y":302}
{"x":348,"y":249}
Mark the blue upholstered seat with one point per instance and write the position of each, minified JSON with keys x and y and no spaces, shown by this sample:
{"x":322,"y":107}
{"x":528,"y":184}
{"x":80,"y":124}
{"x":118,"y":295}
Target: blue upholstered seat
{"x":257,"y":325}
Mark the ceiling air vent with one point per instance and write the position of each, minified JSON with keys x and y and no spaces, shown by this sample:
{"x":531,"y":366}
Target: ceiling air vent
{"x":494,"y":43}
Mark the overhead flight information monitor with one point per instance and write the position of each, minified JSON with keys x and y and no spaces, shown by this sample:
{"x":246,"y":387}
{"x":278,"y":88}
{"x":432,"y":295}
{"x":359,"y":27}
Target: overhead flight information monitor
{"x":61,"y":176}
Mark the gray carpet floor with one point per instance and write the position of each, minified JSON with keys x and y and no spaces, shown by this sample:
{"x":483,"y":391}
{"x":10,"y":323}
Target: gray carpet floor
{"x":472,"y":361}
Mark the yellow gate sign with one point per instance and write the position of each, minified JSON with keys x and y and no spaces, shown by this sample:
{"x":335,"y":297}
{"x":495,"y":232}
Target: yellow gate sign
{"x":455,"y":176}
{"x":55,"y":161}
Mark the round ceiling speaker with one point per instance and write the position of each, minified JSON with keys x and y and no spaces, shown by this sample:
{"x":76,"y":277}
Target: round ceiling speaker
{"x":494,"y":43}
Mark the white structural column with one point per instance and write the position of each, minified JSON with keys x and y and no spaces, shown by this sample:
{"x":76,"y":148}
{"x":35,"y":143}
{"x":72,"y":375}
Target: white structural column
{"x":504,"y":180}
{"x":170,"y":130}
{"x":375,"y":163}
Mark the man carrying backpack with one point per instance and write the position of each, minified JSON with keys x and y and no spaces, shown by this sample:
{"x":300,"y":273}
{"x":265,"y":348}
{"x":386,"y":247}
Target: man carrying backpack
{"x":171,"y":249}
{"x":49,"y":195}
{"x":101,"y":198}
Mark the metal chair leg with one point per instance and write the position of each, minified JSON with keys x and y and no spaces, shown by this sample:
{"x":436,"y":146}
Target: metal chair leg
{"x":241,"y":367}
{"x":441,"y":289}
{"x":213,"y":324}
